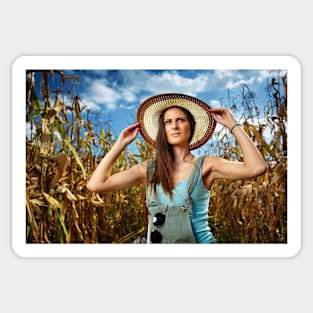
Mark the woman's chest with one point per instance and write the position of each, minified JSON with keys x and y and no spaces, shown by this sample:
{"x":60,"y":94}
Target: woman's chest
{"x":181,"y":173}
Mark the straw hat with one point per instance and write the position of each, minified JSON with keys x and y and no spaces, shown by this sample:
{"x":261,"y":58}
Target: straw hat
{"x":150,"y":110}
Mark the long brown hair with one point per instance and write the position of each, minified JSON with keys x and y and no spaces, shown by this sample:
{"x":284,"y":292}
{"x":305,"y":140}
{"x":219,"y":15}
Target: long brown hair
{"x":164,"y":157}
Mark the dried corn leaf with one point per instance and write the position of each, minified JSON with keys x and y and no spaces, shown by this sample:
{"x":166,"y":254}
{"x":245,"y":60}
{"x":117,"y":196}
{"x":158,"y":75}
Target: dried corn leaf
{"x":62,"y":162}
{"x":37,"y":202}
{"x":77,"y":107}
{"x":58,"y":105}
{"x":32,"y":221}
{"x":79,"y":197}
{"x":61,"y":188}
{"x":69,"y":195}
{"x":259,"y":138}
{"x":68,"y":144}
{"x":52,"y":201}
{"x":97,"y":203}
{"x":80,"y":185}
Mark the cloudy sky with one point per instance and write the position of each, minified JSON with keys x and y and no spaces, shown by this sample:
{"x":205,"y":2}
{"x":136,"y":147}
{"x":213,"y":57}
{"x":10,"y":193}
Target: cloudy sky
{"x":114,"y":95}
{"x":109,"y":91}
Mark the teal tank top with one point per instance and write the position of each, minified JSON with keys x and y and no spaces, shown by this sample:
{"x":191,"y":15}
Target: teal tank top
{"x":200,"y":198}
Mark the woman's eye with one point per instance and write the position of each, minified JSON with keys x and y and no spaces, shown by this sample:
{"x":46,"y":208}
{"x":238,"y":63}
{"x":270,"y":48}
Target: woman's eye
{"x":178,"y":120}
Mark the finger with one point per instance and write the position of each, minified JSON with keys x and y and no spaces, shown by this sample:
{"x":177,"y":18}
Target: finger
{"x":131,"y":127}
{"x":217,"y":116}
{"x":133,"y":134}
{"x":216,"y":110}
{"x":134,"y":131}
{"x":134,"y":125}
{"x":214,"y":117}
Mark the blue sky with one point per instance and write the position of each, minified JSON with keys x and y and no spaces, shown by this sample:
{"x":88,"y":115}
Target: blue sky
{"x":114,"y":95}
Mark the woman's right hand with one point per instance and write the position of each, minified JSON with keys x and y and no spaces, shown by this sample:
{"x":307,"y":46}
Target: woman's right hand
{"x":128,"y":134}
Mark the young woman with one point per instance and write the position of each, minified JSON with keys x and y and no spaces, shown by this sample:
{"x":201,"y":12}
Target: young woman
{"x":177,"y":182}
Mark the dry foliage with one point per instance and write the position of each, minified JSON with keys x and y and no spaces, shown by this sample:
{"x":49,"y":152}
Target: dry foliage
{"x":63,"y":150}
{"x":255,"y":210}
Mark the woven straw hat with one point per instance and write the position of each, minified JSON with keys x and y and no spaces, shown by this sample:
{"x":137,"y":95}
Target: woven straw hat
{"x":150,"y":110}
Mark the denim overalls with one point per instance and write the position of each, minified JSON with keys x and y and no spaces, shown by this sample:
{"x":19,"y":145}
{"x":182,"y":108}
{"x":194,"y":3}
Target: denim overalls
{"x":170,"y":224}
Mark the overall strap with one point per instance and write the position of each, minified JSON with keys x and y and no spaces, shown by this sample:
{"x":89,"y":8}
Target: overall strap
{"x":194,"y":175}
{"x":150,"y":168}
{"x":151,"y":164}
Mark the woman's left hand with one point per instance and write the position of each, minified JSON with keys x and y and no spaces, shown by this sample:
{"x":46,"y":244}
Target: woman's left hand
{"x":223,"y":116}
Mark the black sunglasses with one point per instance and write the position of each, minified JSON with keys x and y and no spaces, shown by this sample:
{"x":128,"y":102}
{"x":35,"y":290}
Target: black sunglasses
{"x":158,"y":220}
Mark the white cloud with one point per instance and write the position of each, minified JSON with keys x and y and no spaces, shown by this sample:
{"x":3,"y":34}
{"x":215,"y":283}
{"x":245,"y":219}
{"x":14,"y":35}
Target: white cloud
{"x":224,"y":74}
{"x":262,"y":76}
{"x":173,"y":82}
{"x":126,"y":107}
{"x":215,"y":103}
{"x":110,"y":106}
{"x":232,"y":84}
{"x":128,"y":95}
{"x":102,"y":93}
{"x":91,"y":105}
{"x":99,"y":94}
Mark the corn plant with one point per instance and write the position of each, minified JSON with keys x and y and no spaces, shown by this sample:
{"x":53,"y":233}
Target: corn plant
{"x":255,"y":210}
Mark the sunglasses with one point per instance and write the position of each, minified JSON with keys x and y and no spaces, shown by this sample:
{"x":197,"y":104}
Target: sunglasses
{"x":158,"y":220}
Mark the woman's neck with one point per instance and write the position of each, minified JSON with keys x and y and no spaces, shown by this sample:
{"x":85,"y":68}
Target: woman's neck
{"x":182,"y":154}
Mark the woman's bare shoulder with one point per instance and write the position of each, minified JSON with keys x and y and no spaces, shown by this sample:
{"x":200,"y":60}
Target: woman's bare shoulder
{"x":210,"y":163}
{"x":210,"y":159}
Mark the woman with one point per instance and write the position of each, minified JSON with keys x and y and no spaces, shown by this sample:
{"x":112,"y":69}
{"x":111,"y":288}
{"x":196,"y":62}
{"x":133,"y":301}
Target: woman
{"x":178,"y":183}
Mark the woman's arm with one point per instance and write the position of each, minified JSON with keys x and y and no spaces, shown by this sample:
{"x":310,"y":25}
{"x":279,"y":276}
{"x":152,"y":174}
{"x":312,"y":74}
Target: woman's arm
{"x":253,"y":162}
{"x":101,"y":179}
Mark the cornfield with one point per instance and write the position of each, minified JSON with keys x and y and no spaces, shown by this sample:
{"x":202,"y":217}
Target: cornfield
{"x":63,"y":149}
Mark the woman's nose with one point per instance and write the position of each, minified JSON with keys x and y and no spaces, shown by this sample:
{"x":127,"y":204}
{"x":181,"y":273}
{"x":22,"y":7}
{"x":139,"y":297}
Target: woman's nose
{"x":174,"y":125}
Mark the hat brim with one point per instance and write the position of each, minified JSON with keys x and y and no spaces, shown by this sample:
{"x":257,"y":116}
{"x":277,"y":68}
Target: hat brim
{"x":149,"y":112}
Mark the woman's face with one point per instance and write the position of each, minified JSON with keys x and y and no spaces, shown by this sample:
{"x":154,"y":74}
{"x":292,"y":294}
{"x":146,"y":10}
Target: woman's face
{"x":177,"y":127}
